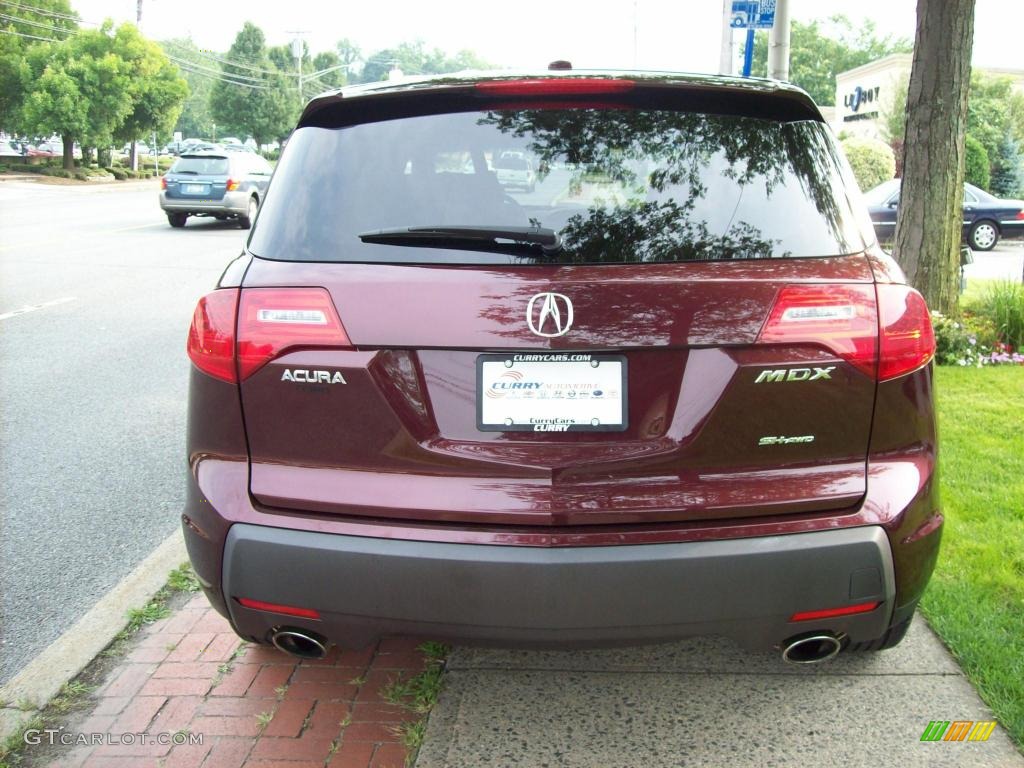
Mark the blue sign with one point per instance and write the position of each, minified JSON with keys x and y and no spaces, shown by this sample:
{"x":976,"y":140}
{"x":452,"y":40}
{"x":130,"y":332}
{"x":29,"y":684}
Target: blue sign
{"x":752,"y":14}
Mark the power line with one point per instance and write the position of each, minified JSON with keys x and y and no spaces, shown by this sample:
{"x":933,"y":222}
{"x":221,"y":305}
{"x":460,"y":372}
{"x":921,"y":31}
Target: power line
{"x":39,"y":24}
{"x":224,"y":60}
{"x":220,"y":73}
{"x":45,"y":12}
{"x":29,"y":37}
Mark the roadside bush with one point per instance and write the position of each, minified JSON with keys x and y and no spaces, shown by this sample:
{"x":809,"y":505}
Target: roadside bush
{"x":872,"y":161}
{"x":272,"y":154}
{"x":977,"y":163}
{"x":1003,"y":304}
{"x":117,"y":173}
{"x":81,"y":175}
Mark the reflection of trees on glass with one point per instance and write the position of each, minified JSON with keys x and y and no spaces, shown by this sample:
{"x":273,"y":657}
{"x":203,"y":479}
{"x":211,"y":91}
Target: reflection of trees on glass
{"x":672,"y":165}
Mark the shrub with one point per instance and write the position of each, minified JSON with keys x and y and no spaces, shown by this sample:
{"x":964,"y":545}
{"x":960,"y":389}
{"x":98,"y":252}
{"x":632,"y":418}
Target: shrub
{"x":81,"y":175}
{"x":1003,"y":305}
{"x":117,"y":173}
{"x":872,"y":161}
{"x":977,"y":163}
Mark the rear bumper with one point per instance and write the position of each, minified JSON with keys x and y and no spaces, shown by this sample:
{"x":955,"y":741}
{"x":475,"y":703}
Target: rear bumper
{"x":746,"y":589}
{"x":233,"y":203}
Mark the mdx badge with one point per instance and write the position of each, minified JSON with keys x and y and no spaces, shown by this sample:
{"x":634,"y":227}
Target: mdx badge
{"x":313,"y":377}
{"x":549,"y":314}
{"x":794,"y":374}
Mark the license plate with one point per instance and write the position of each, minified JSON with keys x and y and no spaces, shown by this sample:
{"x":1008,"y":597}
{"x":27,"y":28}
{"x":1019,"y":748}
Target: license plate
{"x":195,"y":189}
{"x":551,"y":392}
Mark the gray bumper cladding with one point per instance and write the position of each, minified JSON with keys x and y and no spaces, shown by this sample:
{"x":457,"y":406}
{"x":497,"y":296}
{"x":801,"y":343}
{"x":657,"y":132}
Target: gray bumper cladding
{"x":744,"y":588}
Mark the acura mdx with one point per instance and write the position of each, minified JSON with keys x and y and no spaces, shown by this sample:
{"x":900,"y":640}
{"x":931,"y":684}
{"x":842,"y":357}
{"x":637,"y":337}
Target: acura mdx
{"x":671,"y":387}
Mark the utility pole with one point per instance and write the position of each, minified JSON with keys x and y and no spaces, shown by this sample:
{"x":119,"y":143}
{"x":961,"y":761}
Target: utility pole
{"x":298,"y":49}
{"x":725,"y":58}
{"x":778,"y":43}
{"x":138,"y":13}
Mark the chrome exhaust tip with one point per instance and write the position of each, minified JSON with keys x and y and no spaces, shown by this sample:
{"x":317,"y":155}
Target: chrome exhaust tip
{"x":812,"y":648}
{"x":299,"y":642}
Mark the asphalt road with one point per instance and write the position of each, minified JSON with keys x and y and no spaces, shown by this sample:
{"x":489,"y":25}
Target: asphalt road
{"x":92,"y":393}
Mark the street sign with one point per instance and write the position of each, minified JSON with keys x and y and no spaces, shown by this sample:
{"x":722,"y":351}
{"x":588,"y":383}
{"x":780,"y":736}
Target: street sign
{"x":752,"y":14}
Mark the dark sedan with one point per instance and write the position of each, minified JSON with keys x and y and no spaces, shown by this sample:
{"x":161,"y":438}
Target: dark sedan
{"x":986,"y":218}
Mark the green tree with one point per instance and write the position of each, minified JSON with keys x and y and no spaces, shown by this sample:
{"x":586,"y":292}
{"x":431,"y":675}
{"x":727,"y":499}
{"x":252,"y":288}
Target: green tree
{"x":415,"y":59}
{"x":81,"y":90}
{"x":157,"y":88}
{"x":37,"y":21}
{"x":1006,"y":168}
{"x":976,"y":163}
{"x":253,"y":98}
{"x":872,"y":161}
{"x":195,"y":120}
{"x":821,"y":49}
{"x":991,"y":104}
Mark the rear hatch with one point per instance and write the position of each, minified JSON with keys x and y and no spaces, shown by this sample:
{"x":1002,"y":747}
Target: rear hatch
{"x":201,"y":177}
{"x":677,"y":324}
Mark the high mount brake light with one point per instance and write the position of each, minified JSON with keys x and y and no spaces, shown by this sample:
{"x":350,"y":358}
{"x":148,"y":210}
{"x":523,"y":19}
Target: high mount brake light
{"x":555,"y":86}
{"x":270,"y":322}
{"x":841,"y":318}
{"x":884,"y":331}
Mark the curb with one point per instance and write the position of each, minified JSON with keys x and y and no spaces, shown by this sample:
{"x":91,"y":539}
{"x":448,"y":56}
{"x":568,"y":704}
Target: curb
{"x":70,"y":653}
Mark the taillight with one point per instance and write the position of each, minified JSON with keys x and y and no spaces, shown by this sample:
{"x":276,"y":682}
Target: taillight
{"x":211,"y":339}
{"x":555,"y":86}
{"x":1020,"y":215}
{"x":906,"y":335}
{"x":272,"y":320}
{"x":232,"y":185}
{"x":842,"y":318}
{"x":163,"y":182}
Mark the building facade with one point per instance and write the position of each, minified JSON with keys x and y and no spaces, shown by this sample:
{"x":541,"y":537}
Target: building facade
{"x":866,"y":95}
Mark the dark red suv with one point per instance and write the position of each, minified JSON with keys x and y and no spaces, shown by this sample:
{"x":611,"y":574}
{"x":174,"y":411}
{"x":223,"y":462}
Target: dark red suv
{"x":670,"y":387}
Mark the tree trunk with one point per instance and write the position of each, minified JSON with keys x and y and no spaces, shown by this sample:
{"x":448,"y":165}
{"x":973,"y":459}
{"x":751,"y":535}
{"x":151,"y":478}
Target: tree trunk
{"x":69,"y":152}
{"x":930,"y":219}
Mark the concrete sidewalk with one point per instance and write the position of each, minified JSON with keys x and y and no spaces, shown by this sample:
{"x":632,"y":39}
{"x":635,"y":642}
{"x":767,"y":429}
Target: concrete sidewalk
{"x":705,"y":702}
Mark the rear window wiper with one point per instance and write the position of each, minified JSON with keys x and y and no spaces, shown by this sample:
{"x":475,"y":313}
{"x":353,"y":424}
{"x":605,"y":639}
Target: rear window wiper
{"x":513,"y":240}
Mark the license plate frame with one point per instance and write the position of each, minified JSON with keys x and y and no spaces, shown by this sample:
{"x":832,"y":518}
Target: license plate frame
{"x":195,"y":189}
{"x":568,"y":374}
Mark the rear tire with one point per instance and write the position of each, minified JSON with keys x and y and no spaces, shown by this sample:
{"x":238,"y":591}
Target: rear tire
{"x":892,"y":637}
{"x":177,"y":220}
{"x":983,"y":236}
{"x":245,"y":222}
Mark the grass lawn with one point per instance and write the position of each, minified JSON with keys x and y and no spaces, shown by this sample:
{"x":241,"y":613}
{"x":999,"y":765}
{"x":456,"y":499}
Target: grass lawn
{"x":976,"y":598}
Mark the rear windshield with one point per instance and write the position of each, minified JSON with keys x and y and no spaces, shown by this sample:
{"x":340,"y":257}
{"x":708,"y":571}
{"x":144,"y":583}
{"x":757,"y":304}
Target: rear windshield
{"x":206,"y":166}
{"x":618,"y":185}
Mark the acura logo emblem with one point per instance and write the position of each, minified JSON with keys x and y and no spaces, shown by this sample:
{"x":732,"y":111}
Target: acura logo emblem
{"x":549,"y":314}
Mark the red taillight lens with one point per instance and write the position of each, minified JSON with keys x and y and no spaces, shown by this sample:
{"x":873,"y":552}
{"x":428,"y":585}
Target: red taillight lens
{"x":163,"y":182}
{"x":232,"y":185}
{"x":829,"y":613}
{"x":907,"y":338}
{"x":1020,"y":215}
{"x":841,"y":318}
{"x":555,"y":86}
{"x":272,"y":320}
{"x":287,"y":610}
{"x":211,"y":339}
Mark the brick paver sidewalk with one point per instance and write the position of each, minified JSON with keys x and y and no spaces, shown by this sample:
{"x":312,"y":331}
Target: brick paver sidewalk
{"x":255,"y":707}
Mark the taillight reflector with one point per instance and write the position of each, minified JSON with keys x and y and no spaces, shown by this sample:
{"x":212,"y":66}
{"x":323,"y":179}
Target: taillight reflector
{"x":163,"y":182}
{"x":232,"y":185}
{"x":907,"y":340}
{"x":287,"y":610}
{"x":211,"y":339}
{"x":554,"y":86}
{"x":272,"y":320}
{"x":842,"y":318}
{"x":829,"y":613}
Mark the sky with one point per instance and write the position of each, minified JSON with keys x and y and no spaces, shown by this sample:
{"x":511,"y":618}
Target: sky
{"x":682,"y":35}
